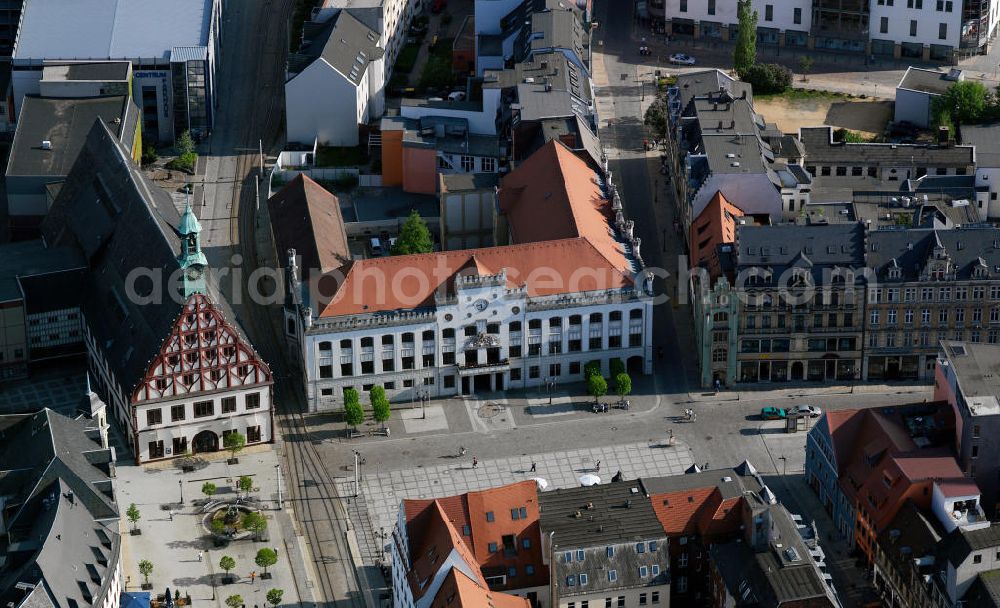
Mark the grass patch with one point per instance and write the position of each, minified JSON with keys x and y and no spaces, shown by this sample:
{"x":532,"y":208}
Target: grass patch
{"x":437,"y":73}
{"x":341,"y":157}
{"x":798,"y":94}
{"x":407,"y":59}
{"x":185,"y":162}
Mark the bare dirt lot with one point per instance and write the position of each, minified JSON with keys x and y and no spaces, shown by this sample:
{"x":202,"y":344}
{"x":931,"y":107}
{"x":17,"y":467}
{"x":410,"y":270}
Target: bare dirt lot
{"x":791,"y":113}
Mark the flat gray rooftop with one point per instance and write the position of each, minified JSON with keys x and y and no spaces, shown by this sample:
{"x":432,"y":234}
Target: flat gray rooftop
{"x":977,"y":367}
{"x":28,"y":258}
{"x":376,"y":204}
{"x":110,"y":29}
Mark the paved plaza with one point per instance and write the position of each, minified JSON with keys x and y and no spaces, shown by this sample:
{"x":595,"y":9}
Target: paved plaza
{"x":382,"y":491}
{"x":173,"y":542}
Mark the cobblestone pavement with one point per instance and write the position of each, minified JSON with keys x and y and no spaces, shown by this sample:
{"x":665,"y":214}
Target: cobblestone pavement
{"x":382,"y":491}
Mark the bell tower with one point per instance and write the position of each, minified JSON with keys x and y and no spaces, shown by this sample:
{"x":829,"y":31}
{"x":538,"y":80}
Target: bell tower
{"x":191,"y":260}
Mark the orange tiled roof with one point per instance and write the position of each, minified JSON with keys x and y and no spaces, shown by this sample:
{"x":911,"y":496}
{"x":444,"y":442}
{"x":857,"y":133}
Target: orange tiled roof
{"x":459,"y":591}
{"x":553,"y":195}
{"x":437,"y":538}
{"x":468,"y":512}
{"x":403,"y":282}
{"x":563,"y":243}
{"x":678,"y":511}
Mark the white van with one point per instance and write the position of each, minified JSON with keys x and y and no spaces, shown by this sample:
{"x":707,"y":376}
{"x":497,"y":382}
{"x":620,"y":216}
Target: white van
{"x":375,"y":246}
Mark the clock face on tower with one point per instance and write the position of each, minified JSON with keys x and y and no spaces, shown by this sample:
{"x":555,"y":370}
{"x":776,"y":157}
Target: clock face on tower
{"x":480,"y":305}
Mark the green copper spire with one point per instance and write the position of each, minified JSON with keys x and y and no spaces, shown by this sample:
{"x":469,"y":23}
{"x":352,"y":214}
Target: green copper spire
{"x":191,"y":260}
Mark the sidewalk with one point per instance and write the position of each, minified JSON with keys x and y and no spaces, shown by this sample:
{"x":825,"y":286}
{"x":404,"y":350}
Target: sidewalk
{"x":791,"y":391}
{"x":174,"y":542}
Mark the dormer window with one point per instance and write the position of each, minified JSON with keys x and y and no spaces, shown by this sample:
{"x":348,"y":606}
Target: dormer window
{"x":980,"y":272}
{"x":895,"y":272}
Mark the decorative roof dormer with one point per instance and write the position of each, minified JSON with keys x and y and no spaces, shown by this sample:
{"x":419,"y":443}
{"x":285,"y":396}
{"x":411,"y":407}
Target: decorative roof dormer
{"x":980,"y":270}
{"x":191,"y":260}
{"x":893,"y":270}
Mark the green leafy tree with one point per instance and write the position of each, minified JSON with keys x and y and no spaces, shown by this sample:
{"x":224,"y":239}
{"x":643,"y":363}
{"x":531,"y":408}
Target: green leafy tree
{"x":745,"y":53}
{"x":245,"y":484}
{"x":656,"y":116}
{"x":255,"y":523}
{"x":133,"y":515}
{"x":234,"y":601}
{"x":218,"y":527}
{"x":380,"y":405}
{"x":597,"y":386}
{"x":209,"y":489}
{"x":184,"y":144}
{"x":145,"y":569}
{"x":805,"y":66}
{"x":353,"y":414}
{"x":266,"y":558}
{"x":227,"y":563}
{"x":966,"y":102}
{"x":234,"y":442}
{"x":414,"y":236}
{"x":592,"y":368}
{"x":623,"y":384}
{"x":274,"y":596}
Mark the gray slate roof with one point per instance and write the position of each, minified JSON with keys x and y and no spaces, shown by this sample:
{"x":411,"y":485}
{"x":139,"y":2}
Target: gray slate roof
{"x":699,"y":84}
{"x":912,"y":248}
{"x":621,"y":512}
{"x":935,"y":82}
{"x":822,"y":150}
{"x":740,"y":481}
{"x":813,"y":247}
{"x":120,"y":222}
{"x":62,"y":508}
{"x":111,"y":29}
{"x":345,"y":43}
{"x":986,"y":139}
{"x":985,"y":590}
{"x":31,"y":258}
{"x":960,"y":543}
{"x":65,"y":122}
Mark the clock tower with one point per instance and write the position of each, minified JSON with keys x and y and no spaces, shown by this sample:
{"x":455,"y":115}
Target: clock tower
{"x":191,"y":260}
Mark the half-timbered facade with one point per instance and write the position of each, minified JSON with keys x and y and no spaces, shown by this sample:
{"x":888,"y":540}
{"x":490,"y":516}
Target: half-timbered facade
{"x":165,"y":350}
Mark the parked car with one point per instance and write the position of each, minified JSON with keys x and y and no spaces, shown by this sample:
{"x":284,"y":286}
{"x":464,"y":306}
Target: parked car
{"x":456,"y":96}
{"x":644,"y":50}
{"x":806,"y":410}
{"x":682,"y":59}
{"x":773,"y":413}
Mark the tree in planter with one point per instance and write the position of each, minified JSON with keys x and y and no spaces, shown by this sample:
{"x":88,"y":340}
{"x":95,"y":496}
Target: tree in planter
{"x":745,"y":53}
{"x":133,"y":515}
{"x":145,"y":569}
{"x":380,"y":405}
{"x":597,"y":386}
{"x":805,"y":65}
{"x":227,"y":563}
{"x":266,"y":558}
{"x":234,"y":442}
{"x":234,"y":601}
{"x":245,"y":484}
{"x":623,"y":385}
{"x":209,"y":489}
{"x":274,"y":596}
{"x":414,"y":236}
{"x":353,"y":414}
{"x":255,"y":523}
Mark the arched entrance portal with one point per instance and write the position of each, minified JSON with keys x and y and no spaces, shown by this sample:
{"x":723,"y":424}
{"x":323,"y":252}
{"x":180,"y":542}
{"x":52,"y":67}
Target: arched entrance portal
{"x":797,"y":371}
{"x":205,"y":441}
{"x":634,"y":365}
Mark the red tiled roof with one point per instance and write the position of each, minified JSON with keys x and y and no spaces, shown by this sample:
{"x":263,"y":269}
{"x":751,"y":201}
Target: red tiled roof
{"x":555,"y":195}
{"x":411,"y":281}
{"x":678,"y":511}
{"x":468,"y":511}
{"x":563,"y":243}
{"x":459,"y":591}
{"x":953,"y":488}
{"x":436,"y":540}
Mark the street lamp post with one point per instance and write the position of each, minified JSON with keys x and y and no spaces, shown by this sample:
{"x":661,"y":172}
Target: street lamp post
{"x":277,"y":468}
{"x":180,"y":484}
{"x":784,"y":464}
{"x":357,"y":473}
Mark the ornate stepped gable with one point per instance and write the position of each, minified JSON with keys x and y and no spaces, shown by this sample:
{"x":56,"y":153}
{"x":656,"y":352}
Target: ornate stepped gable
{"x":203,"y":352}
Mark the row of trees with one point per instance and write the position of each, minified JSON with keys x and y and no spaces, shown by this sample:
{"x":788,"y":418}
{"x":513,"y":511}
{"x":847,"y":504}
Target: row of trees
{"x":265,"y":558}
{"x":354,"y":414}
{"x":597,"y":386}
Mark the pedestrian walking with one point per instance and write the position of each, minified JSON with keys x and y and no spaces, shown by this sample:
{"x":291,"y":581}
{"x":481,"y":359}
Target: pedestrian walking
{"x":201,"y":555}
{"x":475,"y":462}
{"x":597,"y":467}
{"x":253,"y":575}
{"x":171,"y":513}
{"x":533,"y":468}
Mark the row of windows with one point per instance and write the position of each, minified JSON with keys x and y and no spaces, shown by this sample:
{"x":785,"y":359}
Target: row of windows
{"x":202,"y":409}
{"x":943,"y":316}
{"x":580,"y":555}
{"x":644,"y":598}
{"x":931,"y":294}
{"x":819,"y":320}
{"x":768,"y":11}
{"x":474,"y":330}
{"x":582,"y":579}
{"x":180,"y":444}
{"x":54,"y":318}
{"x":894,"y":339}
